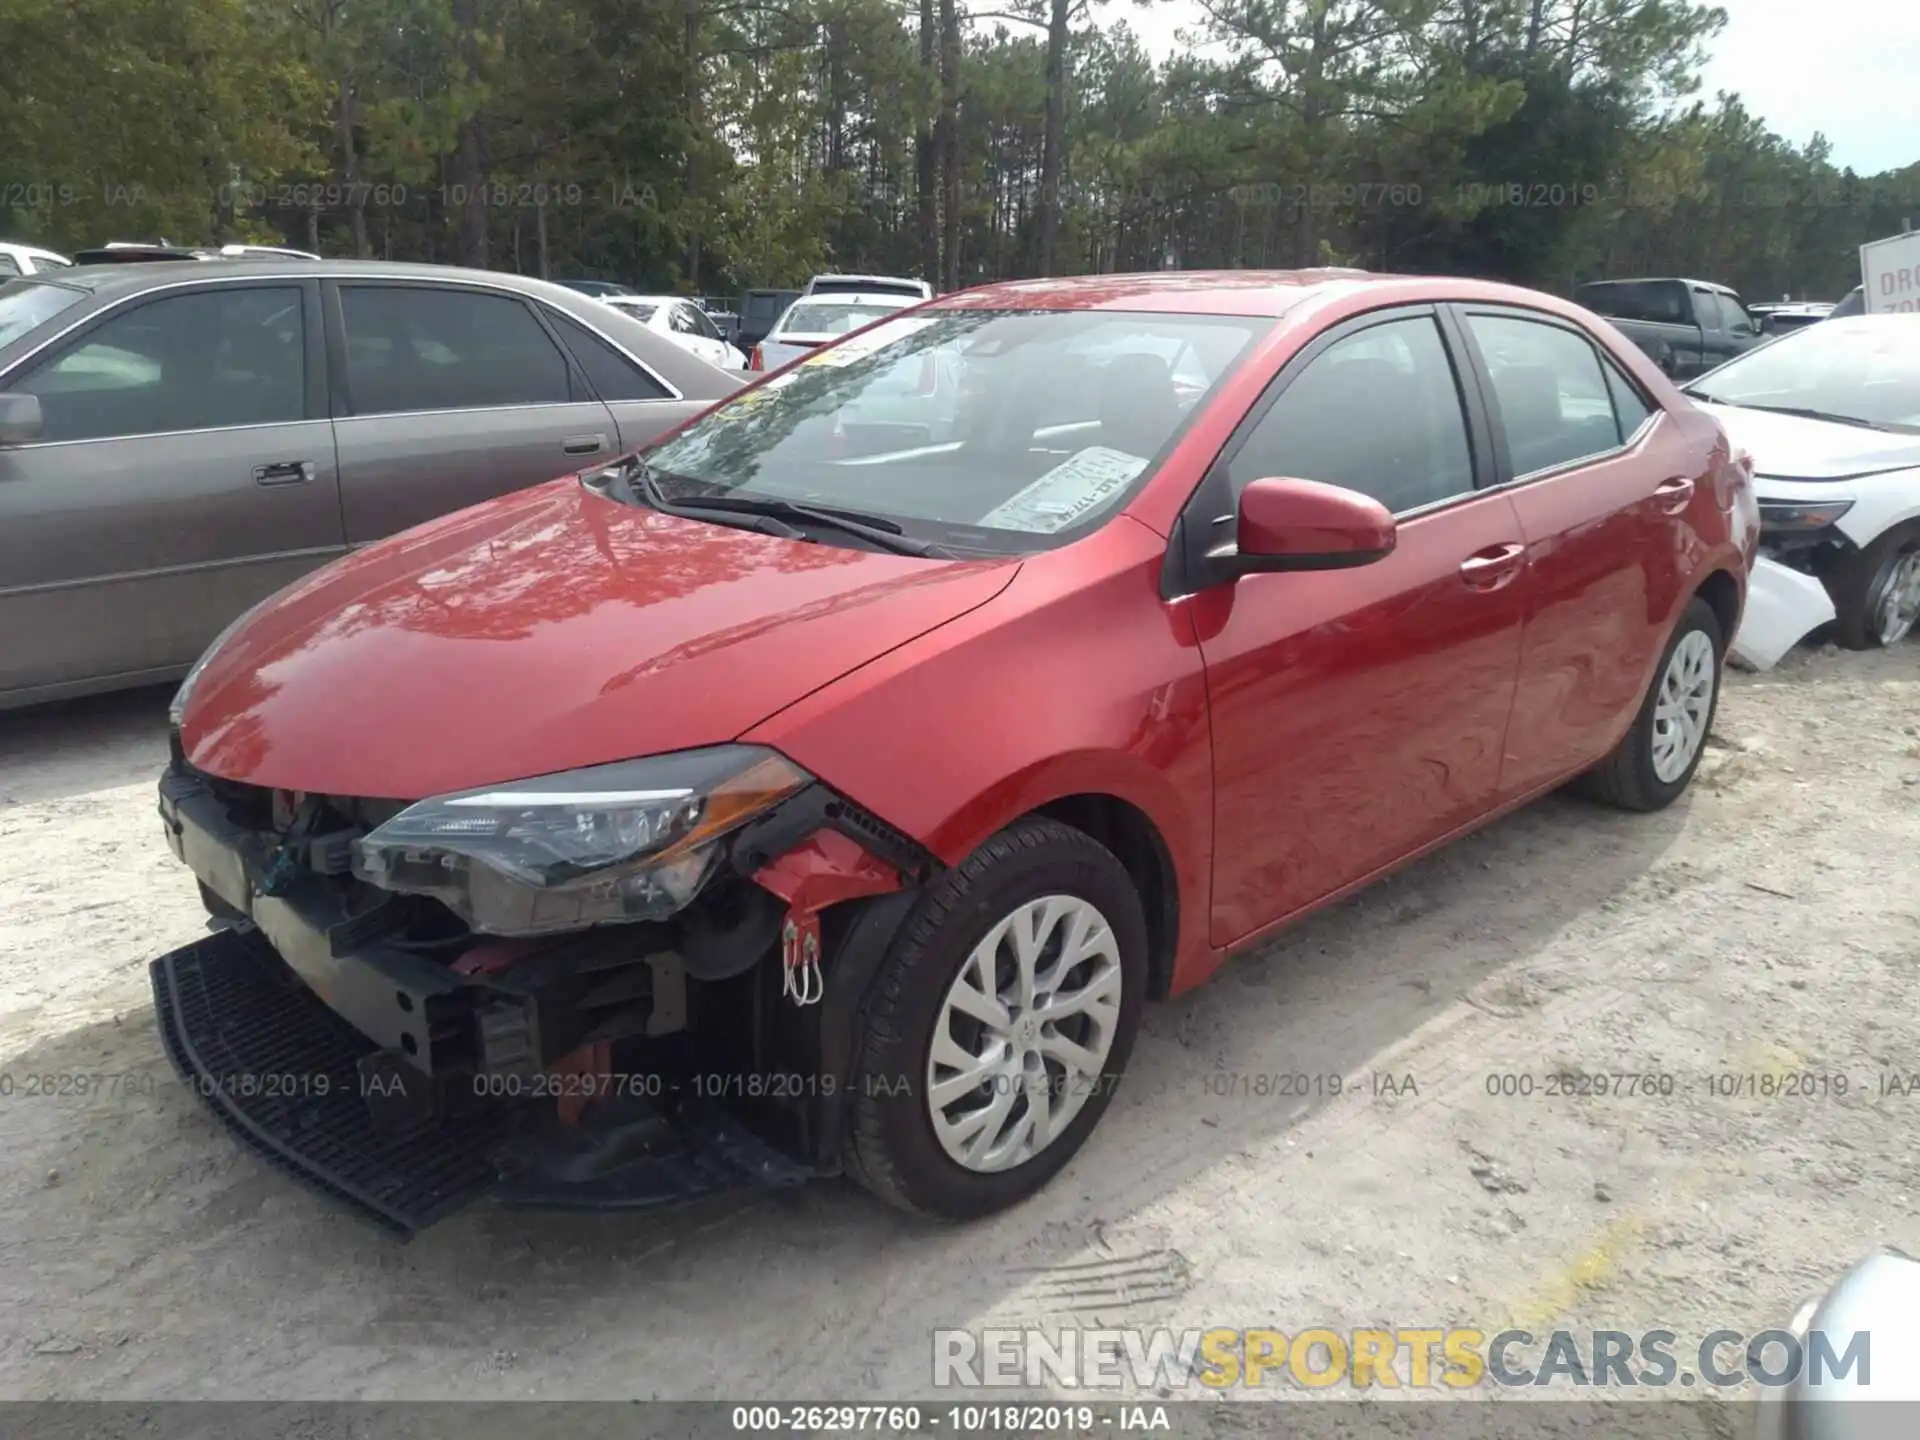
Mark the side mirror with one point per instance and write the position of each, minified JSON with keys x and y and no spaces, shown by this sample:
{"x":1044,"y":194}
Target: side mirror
{"x":19,"y":419}
{"x":1304,"y":525}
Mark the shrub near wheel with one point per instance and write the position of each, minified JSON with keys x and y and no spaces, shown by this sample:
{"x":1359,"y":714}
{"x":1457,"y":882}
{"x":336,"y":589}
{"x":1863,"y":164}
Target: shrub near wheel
{"x":999,"y":1024}
{"x":1654,"y":763}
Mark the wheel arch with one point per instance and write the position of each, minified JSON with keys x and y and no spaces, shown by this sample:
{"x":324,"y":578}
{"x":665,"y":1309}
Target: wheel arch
{"x":1722,"y":594}
{"x":1129,"y":832}
{"x":1161,"y":835}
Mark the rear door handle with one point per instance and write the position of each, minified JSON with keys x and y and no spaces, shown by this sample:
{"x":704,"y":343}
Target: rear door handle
{"x":584,"y":445}
{"x":283,"y":472}
{"x":1493,"y":567}
{"x":1673,"y":496}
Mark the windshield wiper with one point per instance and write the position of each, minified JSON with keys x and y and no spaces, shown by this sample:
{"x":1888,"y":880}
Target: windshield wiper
{"x":1803,"y":413}
{"x":884,"y":533}
{"x":777,"y":517}
{"x":638,"y":483}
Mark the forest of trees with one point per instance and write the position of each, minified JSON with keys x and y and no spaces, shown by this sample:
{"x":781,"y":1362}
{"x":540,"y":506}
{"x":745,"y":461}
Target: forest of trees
{"x":709,"y":145}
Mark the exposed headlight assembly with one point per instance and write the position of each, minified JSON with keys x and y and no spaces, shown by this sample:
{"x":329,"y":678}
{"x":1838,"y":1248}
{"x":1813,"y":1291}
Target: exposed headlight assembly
{"x":630,"y":841}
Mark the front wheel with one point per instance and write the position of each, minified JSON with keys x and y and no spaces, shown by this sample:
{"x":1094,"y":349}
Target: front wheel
{"x":1654,"y":763}
{"x":1876,"y":592}
{"x":999,"y":1024}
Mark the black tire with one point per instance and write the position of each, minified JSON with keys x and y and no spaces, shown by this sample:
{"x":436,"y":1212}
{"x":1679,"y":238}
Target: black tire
{"x":892,"y":1149}
{"x":1859,"y":582}
{"x":1626,"y":778}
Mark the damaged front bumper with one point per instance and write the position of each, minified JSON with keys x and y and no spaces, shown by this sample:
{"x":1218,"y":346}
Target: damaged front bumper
{"x":406,"y":1078}
{"x":1784,"y":606}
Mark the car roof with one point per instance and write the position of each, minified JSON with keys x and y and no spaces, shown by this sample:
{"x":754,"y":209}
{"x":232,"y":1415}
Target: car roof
{"x":1271,"y":293}
{"x":1712,"y":285}
{"x":856,"y":297}
{"x":110,"y":279}
{"x":109,"y":284}
{"x":35,"y":251}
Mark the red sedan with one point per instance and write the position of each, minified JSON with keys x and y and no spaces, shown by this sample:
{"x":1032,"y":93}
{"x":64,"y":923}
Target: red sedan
{"x":830,"y":786}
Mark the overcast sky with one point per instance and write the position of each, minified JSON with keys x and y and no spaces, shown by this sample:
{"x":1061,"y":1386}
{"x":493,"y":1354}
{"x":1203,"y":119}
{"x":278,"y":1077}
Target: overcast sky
{"x":1847,"y":68}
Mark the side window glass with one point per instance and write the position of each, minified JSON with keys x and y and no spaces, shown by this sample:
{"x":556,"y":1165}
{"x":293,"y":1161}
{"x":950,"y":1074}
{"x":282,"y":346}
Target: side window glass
{"x":420,"y":349}
{"x":703,"y":324}
{"x":1739,"y":322}
{"x":231,"y":356}
{"x":1552,"y":399}
{"x":8,"y":266}
{"x":1631,"y":410}
{"x":1706,"y":308}
{"x":1378,"y":412}
{"x":612,"y":375}
{"x":682,"y":321}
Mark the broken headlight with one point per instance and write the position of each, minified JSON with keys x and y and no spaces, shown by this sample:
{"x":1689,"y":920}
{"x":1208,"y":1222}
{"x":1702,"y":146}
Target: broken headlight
{"x":630,"y":841}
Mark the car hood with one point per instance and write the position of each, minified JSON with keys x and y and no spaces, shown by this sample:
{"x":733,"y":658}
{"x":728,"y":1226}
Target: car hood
{"x":1790,"y":447}
{"x":543,"y":631}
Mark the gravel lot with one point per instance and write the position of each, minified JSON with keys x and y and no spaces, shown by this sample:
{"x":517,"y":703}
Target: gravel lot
{"x":1769,"y":923}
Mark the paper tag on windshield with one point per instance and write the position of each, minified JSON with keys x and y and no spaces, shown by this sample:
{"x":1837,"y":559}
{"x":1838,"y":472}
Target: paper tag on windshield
{"x":859,"y":346}
{"x":1068,"y":491}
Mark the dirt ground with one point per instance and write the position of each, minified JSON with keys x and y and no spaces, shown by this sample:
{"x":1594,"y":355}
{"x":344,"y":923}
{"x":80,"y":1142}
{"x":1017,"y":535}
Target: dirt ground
{"x":1770,"y":923}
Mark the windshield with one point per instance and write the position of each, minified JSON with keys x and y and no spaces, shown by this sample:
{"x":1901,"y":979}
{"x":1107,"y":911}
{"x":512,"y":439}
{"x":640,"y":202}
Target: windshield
{"x":1864,"y":370}
{"x":829,"y":318}
{"x":26,"y":303}
{"x":995,"y":431}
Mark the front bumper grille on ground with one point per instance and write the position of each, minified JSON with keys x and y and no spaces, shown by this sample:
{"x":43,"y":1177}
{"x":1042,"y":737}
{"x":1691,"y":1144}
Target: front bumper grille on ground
{"x":284,"y":1074}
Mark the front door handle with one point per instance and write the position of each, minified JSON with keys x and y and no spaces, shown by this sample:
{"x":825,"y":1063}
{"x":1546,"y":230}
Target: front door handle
{"x":584,"y":445}
{"x":283,"y":472}
{"x":1673,"y":496}
{"x":1493,"y":567}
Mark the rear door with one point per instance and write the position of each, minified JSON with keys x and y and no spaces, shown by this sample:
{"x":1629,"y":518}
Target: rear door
{"x":186,"y":470}
{"x":447,"y":395}
{"x":1595,"y":471}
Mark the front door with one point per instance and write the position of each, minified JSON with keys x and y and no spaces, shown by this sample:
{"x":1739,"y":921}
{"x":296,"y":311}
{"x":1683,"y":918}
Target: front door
{"x":186,"y":470}
{"x":1358,"y":715}
{"x":1599,"y":475}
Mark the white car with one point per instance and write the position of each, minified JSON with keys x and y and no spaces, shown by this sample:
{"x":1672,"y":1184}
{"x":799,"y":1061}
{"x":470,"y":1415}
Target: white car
{"x":868,"y":285}
{"x":811,"y":323}
{"x":28,"y":260}
{"x":1831,"y":416}
{"x":682,"y":321}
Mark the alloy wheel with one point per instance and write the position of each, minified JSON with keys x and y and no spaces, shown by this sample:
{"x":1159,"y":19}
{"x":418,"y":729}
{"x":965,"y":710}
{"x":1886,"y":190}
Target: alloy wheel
{"x":1898,"y":608}
{"x":1023,"y":1036}
{"x":1685,"y":703}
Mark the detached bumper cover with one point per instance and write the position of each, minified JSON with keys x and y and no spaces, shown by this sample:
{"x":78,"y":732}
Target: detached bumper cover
{"x":1783,"y":607}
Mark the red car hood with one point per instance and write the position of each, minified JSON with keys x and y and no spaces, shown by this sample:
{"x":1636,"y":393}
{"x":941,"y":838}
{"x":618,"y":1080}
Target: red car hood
{"x":543,"y":631}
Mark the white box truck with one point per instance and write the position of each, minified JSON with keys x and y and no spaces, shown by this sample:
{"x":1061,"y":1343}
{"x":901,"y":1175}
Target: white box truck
{"x":1890,"y":273}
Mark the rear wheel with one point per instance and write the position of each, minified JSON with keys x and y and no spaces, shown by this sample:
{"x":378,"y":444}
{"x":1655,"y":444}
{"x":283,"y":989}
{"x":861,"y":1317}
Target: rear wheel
{"x":1876,"y":592}
{"x":1654,"y":763}
{"x":999,"y":1024}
